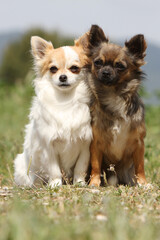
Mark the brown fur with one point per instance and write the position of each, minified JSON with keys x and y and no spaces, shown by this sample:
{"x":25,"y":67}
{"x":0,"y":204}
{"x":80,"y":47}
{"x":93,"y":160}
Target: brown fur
{"x":117,"y":111}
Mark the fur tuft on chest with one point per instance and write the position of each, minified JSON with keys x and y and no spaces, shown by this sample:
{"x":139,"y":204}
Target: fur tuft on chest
{"x":120,"y":134}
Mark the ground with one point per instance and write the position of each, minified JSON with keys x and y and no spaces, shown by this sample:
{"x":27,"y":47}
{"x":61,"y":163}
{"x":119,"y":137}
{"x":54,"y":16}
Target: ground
{"x":73,"y":212}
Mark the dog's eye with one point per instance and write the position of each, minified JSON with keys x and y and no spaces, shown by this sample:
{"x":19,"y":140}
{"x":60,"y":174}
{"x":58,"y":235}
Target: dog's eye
{"x":98,"y":63}
{"x":75,"y":69}
{"x":53,"y":69}
{"x":120,"y":66}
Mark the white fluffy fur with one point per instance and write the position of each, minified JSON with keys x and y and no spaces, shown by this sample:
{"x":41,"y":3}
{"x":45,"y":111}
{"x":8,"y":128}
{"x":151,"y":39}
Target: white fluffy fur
{"x":58,"y":134}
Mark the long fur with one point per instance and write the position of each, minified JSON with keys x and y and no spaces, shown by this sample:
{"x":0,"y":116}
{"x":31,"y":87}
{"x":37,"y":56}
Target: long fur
{"x":58,"y":135}
{"x":116,"y":108}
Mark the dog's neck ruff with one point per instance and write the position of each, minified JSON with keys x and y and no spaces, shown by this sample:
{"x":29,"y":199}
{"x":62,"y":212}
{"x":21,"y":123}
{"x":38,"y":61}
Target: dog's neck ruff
{"x":64,"y":120}
{"x":121,"y":103}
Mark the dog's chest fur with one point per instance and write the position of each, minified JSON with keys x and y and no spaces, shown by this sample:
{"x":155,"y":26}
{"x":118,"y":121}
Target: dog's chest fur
{"x":120,"y":133}
{"x":59,"y":120}
{"x":111,"y":135}
{"x":115,"y":118}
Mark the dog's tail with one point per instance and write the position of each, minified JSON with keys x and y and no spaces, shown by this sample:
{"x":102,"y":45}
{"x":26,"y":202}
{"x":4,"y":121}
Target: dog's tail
{"x":20,"y":172}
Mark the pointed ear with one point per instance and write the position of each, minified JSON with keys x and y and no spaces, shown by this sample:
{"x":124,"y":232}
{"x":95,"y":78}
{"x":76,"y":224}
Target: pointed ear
{"x":137,"y":46}
{"x":82,"y":41}
{"x":96,"y":36}
{"x":39,"y":47}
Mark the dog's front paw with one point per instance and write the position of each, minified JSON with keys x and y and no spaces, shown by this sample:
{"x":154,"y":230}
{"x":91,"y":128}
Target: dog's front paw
{"x":95,"y":182}
{"x":79,"y":181}
{"x":55,"y":183}
{"x":141,"y":181}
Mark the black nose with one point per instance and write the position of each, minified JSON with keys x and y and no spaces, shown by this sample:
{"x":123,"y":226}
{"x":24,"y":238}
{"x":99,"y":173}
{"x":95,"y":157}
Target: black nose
{"x":63,"y":78}
{"x":106,"y":73}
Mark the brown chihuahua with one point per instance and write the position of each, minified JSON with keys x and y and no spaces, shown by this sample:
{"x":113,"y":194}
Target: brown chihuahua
{"x":117,"y":110}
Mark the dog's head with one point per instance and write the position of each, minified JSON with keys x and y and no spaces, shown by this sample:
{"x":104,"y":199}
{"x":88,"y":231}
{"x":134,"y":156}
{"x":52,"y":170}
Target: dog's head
{"x":111,"y":63}
{"x":62,"y":66}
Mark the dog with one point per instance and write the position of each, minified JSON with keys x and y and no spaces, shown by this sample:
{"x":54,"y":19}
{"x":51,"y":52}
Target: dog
{"x":117,"y":111}
{"x":59,"y":133}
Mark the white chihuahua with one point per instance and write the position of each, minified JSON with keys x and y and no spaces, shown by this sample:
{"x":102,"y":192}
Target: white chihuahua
{"x":58,"y":135}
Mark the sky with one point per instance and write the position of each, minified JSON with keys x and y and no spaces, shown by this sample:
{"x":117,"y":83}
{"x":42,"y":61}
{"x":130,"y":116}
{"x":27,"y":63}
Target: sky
{"x":120,"y":19}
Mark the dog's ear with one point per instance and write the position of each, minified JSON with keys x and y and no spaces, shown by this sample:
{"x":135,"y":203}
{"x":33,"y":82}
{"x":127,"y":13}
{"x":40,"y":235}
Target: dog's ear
{"x":96,"y":36}
{"x":137,"y":46}
{"x":39,"y":47}
{"x":82,"y":41}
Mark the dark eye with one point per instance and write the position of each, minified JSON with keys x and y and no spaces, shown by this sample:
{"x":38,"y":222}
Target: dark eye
{"x":98,"y":62}
{"x":53,"y":69}
{"x":120,"y":66}
{"x":75,"y":69}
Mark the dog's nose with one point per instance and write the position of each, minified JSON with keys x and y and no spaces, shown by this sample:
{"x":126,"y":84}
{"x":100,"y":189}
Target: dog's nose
{"x":63,"y":78}
{"x":106,"y":73}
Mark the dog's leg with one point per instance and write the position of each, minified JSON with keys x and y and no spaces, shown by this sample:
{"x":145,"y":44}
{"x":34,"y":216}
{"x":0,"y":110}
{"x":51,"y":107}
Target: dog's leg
{"x":82,"y":165}
{"x":96,"y":161}
{"x":55,"y":175}
{"x":138,"y":159}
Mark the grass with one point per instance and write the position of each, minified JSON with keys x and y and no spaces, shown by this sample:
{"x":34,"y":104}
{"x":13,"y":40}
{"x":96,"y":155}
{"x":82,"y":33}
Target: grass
{"x":73,"y":212}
